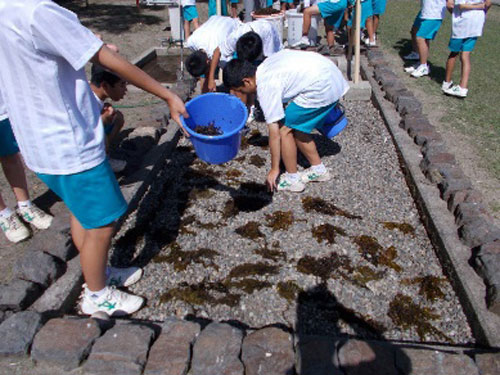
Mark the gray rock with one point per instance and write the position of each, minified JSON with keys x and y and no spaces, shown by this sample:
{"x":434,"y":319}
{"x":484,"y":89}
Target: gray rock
{"x":17,"y":332}
{"x":426,"y":136}
{"x":5,"y":315}
{"x":60,"y":296}
{"x":478,"y":231}
{"x":463,"y":196}
{"x":217,"y":351}
{"x":171,"y":352}
{"x":316,"y":356}
{"x":18,"y":295}
{"x":141,"y":140}
{"x":268,"y":351}
{"x":122,"y":350}
{"x":393,"y":92}
{"x":38,"y":267}
{"x":56,"y":240}
{"x":488,"y":363}
{"x":408,"y":104}
{"x":414,"y":121}
{"x":451,"y":185}
{"x":65,"y":342}
{"x":466,"y":212}
{"x":425,"y":362}
{"x":487,"y":264}
{"x":366,"y":358}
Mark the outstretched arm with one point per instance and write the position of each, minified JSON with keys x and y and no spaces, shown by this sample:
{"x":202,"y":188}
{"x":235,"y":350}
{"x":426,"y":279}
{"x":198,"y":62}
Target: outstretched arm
{"x":275,"y":147}
{"x":129,"y":72}
{"x":213,"y":66}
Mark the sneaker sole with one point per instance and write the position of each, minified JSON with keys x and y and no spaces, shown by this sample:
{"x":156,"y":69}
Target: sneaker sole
{"x":320,"y":179}
{"x":134,"y":309}
{"x":136,"y":277}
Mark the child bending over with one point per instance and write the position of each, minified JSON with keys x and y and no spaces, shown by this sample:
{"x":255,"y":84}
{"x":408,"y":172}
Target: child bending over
{"x":310,"y":94}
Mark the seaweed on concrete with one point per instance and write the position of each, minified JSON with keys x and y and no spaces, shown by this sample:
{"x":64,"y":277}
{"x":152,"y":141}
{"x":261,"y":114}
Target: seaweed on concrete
{"x":327,"y":232}
{"x":320,"y":205}
{"x":373,"y":252}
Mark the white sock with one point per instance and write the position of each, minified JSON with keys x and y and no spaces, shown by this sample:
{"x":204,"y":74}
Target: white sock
{"x":6,"y":213}
{"x":24,"y":204}
{"x":95,"y":294}
{"x":320,"y":168}
{"x":294,"y":176}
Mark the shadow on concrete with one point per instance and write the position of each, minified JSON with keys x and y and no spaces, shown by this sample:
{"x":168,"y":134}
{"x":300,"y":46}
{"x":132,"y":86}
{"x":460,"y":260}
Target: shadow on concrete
{"x":320,"y":339}
{"x":113,"y":18}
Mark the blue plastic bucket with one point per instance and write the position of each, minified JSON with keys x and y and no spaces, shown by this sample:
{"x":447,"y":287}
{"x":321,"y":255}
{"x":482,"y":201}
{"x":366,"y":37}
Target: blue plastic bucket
{"x":335,"y":122}
{"x":226,"y":112}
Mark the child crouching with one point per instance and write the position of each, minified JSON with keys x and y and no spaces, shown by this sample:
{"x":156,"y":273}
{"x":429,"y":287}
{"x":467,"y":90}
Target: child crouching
{"x":310,"y":93}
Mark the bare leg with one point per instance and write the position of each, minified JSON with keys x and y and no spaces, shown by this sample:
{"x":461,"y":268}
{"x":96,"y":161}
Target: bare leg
{"x":308,"y":13}
{"x":196,"y":24}
{"x":283,"y":7}
{"x":414,"y":39}
{"x":187,"y":30}
{"x":370,"y":29}
{"x":330,"y":35}
{"x":307,"y":146}
{"x":118,"y":123}
{"x":466,"y":66}
{"x":93,"y":252}
{"x":450,"y":65}
{"x":288,"y":149}
{"x":14,"y":171}
{"x":3,"y":206}
{"x":376,"y":19}
{"x":423,"y":49}
{"x":234,"y":10}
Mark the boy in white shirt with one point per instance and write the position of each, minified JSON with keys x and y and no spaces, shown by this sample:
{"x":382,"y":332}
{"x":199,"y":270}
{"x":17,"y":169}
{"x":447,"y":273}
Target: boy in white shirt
{"x":56,"y":120}
{"x":13,"y":168}
{"x":190,"y":15}
{"x":426,"y":24}
{"x":204,"y":41}
{"x":467,"y":25}
{"x":310,"y":93}
{"x":270,"y":43}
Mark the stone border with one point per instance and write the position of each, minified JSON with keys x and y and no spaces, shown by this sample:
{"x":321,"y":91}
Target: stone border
{"x":468,"y":234}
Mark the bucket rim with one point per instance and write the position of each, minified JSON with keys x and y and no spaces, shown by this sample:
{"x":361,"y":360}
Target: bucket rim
{"x":216,"y":137}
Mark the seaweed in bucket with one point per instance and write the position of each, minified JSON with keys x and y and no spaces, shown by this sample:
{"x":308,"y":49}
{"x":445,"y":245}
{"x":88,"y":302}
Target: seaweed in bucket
{"x":209,"y":129}
{"x":266,"y":12}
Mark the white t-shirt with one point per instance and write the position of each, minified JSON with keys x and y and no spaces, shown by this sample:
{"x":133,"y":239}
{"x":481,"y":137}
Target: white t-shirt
{"x":433,"y":9}
{"x":467,"y":23}
{"x":3,"y":109}
{"x":53,"y":112}
{"x":308,"y":79}
{"x":268,"y":32}
{"x":212,"y":33}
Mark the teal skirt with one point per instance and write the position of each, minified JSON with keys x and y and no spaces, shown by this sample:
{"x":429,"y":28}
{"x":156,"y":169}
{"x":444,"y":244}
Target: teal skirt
{"x":306,"y":119}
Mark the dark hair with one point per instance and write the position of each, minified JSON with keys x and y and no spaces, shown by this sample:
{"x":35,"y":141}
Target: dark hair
{"x":196,"y":63}
{"x":235,"y":71}
{"x":249,"y":46}
{"x":99,"y":75}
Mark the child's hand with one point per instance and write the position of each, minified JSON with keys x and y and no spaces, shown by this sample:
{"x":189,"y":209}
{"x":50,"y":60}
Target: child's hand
{"x":212,"y":86}
{"x":177,"y":109}
{"x":272,"y":176}
{"x":107,"y":113}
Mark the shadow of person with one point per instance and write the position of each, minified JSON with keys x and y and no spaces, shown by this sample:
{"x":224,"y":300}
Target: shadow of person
{"x":323,"y":349}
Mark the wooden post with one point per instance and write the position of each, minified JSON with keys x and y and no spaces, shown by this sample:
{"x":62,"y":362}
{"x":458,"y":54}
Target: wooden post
{"x":357,"y":42}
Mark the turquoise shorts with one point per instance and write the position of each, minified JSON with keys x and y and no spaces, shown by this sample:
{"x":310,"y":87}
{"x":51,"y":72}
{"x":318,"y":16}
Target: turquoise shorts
{"x":93,"y":196}
{"x":212,"y":8}
{"x":286,"y":1}
{"x":333,"y":13}
{"x":189,"y":12}
{"x":462,"y":45}
{"x":8,"y":144}
{"x":378,"y":7}
{"x":306,"y":119}
{"x":427,"y":29}
{"x":269,"y":3}
{"x":235,"y":1}
{"x":366,"y":11}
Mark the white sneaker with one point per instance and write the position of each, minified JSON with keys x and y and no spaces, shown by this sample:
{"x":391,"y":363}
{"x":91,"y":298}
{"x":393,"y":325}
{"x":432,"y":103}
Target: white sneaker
{"x":286,"y":183}
{"x":35,"y":216}
{"x":422,"y":70}
{"x":251,"y":114}
{"x":117,"y":165}
{"x":412,"y":68}
{"x":309,"y":175}
{"x":123,"y":276}
{"x":14,"y":229}
{"x":412,"y":56}
{"x":303,"y":42}
{"x":457,"y":91}
{"x":446,"y":85}
{"x":113,"y":302}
